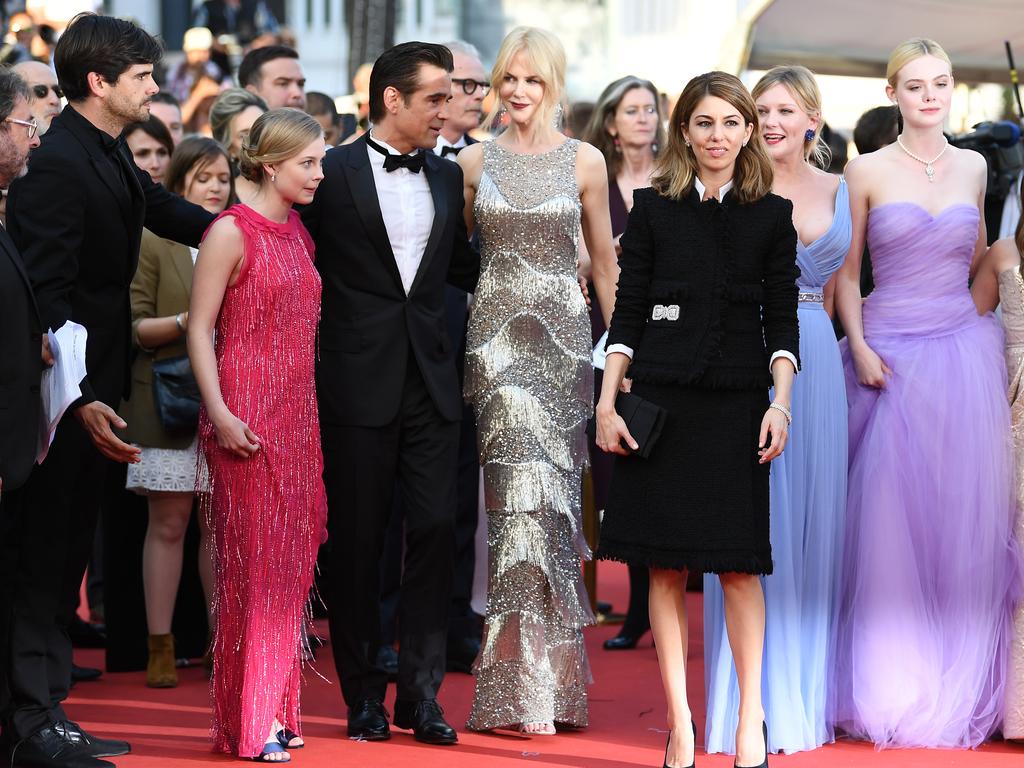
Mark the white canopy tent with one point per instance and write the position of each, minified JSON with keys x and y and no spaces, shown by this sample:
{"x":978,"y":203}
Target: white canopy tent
{"x":854,"y":37}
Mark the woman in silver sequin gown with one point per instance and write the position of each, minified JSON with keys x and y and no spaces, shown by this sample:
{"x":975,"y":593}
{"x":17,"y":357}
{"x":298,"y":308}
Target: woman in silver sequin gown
{"x":530,"y":381}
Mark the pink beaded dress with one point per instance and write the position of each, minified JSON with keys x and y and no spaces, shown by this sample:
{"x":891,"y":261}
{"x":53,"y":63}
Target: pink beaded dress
{"x":267,"y":511}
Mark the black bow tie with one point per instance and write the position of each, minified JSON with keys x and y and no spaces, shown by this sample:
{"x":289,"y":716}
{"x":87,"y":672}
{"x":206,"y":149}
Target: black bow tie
{"x":450,"y":150}
{"x":413,"y":162}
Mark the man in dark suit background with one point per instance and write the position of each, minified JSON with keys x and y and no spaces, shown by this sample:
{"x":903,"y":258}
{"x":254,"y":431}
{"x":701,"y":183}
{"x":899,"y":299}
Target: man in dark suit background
{"x":21,"y":339}
{"x":389,"y":230}
{"x":77,"y":219}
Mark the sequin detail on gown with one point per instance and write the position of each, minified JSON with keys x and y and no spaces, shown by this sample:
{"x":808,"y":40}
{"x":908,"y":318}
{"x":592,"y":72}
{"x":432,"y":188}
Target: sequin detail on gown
{"x":267,"y":512}
{"x":1011,"y":300}
{"x":529,"y":379}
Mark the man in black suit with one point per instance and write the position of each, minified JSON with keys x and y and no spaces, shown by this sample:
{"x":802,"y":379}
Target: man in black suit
{"x":21,"y":339}
{"x":389,"y":230}
{"x":77,"y":219}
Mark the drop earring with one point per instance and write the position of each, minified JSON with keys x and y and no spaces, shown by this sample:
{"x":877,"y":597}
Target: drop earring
{"x":273,"y":178}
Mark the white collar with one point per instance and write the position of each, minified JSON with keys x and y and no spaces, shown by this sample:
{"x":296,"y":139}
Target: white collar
{"x":442,"y":142}
{"x":701,"y":189}
{"x":391,"y":150}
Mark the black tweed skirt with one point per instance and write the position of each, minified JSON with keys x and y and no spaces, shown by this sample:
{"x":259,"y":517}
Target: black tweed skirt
{"x":700,"y":501}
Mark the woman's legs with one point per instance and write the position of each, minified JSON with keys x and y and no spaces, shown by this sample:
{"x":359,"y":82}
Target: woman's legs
{"x":744,"y":623}
{"x":161,"y":557}
{"x":668,"y":624}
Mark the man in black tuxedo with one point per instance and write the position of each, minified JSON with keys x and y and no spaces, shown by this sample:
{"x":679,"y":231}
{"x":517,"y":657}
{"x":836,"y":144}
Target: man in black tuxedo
{"x":77,"y":219}
{"x":389,"y":231}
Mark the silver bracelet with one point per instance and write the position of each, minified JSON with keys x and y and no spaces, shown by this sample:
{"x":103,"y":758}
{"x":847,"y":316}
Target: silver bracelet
{"x":785,"y":412}
{"x":177,"y":322}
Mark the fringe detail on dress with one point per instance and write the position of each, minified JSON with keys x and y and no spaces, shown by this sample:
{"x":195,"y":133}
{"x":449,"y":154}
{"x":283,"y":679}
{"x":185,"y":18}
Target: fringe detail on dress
{"x":697,"y":562}
{"x":512,"y":416}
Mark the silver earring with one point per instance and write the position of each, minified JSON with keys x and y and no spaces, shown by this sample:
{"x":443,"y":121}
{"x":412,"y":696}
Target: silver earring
{"x":273,"y":178}
{"x":556,"y":122}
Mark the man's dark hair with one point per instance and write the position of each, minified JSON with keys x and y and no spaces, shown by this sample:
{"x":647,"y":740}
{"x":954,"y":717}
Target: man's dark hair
{"x":875,"y":129}
{"x":399,"y":68}
{"x":321,"y":104}
{"x":250,"y":71}
{"x":101,"y":44}
{"x":12,"y":87}
{"x":166,"y":97}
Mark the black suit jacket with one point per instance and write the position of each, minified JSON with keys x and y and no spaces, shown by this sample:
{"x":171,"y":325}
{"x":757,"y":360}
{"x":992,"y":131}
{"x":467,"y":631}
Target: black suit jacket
{"x":707,"y":290}
{"x":368,"y":324}
{"x":77,"y":221}
{"x":21,"y":365}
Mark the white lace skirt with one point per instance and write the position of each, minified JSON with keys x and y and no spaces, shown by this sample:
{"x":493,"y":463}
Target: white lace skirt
{"x":164,"y":470}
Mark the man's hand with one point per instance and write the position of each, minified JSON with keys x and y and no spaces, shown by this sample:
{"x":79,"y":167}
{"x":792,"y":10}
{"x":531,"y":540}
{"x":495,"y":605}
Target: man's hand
{"x":96,"y":418}
{"x":48,"y":360}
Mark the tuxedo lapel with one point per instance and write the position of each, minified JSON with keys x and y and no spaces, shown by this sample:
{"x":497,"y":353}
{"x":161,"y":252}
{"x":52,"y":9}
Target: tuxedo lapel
{"x":7,"y":245}
{"x":432,"y":169}
{"x":359,"y":174}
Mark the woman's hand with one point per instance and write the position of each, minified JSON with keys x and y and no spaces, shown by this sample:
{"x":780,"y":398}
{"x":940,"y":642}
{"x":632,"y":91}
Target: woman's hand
{"x":871,"y":370}
{"x":235,"y":435}
{"x":775,"y":424}
{"x":626,"y":385}
{"x":612,"y":430}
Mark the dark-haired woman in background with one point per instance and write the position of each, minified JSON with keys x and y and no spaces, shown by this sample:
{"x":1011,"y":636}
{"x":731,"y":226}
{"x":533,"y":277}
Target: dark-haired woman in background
{"x":152,"y":146}
{"x":166,"y":472}
{"x":626,"y":126}
{"x":705,"y":320}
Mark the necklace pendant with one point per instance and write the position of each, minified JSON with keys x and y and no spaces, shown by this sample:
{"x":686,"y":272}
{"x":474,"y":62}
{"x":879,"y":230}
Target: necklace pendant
{"x":930,"y":171}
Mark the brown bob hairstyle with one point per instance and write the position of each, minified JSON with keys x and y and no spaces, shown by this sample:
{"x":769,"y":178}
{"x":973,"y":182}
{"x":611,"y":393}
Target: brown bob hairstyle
{"x":677,"y":166}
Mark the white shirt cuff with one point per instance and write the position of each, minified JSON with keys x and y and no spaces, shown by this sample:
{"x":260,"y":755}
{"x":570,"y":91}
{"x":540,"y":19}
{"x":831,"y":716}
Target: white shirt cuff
{"x":783,"y":353}
{"x":627,"y":351}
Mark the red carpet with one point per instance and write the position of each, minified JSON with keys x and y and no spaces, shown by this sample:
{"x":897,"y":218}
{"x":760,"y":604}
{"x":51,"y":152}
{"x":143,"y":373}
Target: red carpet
{"x":169,"y":727}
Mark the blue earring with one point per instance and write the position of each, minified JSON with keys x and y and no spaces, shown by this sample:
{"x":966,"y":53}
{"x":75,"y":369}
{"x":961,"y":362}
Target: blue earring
{"x":809,"y":134}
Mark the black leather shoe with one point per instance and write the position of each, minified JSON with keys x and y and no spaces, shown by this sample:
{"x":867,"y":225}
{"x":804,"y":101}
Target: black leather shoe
{"x":426,"y":720}
{"x":94,"y":745}
{"x":387,"y":662}
{"x":623,"y":641}
{"x":49,"y":748}
{"x":86,"y":635}
{"x":462,"y":653}
{"x":84,"y":674}
{"x":368,"y":720}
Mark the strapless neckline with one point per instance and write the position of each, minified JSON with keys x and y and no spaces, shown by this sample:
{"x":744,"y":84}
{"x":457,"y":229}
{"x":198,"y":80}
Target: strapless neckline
{"x":924,"y":210}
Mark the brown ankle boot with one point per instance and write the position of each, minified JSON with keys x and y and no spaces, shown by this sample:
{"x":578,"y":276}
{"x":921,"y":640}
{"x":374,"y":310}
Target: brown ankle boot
{"x":161,"y":671}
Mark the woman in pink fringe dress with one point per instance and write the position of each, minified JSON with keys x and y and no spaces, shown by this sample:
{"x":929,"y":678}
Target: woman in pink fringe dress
{"x":252,"y":336}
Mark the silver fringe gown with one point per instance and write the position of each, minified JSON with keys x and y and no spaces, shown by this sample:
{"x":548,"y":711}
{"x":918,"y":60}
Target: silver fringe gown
{"x":530,"y":381}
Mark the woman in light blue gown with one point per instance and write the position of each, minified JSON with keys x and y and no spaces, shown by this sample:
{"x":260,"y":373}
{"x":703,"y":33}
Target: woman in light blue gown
{"x":808,"y":482}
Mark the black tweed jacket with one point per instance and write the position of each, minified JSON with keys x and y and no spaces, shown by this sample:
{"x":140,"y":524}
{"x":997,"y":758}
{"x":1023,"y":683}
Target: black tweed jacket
{"x":707,"y":289}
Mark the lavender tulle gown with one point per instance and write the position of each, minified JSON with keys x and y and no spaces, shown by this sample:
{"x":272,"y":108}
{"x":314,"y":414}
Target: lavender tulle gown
{"x":808,"y":498}
{"x":930,"y":565}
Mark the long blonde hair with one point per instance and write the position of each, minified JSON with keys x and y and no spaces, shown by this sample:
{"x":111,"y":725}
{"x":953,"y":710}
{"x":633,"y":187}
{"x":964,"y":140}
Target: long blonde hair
{"x":547,"y":58}
{"x":802,"y":86}
{"x":677,"y":165}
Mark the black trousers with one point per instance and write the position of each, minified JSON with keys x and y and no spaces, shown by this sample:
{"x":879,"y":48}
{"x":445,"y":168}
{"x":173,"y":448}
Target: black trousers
{"x":46,"y":538}
{"x":363,"y":466}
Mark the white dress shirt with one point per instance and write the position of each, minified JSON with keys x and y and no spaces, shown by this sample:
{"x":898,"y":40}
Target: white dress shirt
{"x":701,"y":190}
{"x":407,"y":209}
{"x":442,"y":142}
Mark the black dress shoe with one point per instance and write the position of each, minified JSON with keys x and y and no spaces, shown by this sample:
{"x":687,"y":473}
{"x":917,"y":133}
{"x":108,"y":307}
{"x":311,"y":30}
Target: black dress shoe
{"x":86,"y":635}
{"x":49,"y":748}
{"x":426,"y":720}
{"x":387,"y":662}
{"x":624,"y":641}
{"x":94,"y":745}
{"x":462,"y":653}
{"x":85,"y":674}
{"x":368,"y":720}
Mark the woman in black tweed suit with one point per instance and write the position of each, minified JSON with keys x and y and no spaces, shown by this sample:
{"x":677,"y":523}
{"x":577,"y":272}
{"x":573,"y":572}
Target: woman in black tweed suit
{"x":705,"y":320}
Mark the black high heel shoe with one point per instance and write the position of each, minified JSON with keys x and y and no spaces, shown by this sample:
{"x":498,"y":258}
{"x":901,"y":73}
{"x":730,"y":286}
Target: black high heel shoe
{"x":624,"y":641}
{"x":669,"y":741}
{"x":764,"y":730}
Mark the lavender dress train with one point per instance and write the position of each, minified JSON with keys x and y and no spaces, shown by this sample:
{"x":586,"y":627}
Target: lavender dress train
{"x":930,"y":565}
{"x":807,"y":502}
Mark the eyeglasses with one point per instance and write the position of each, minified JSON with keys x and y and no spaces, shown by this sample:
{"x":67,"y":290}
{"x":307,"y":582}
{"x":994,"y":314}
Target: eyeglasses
{"x":469,"y":85}
{"x":32,"y":125}
{"x":40,"y":91}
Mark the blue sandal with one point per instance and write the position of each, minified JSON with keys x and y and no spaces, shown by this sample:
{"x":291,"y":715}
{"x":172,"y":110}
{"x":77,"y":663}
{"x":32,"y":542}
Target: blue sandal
{"x":285,"y":735}
{"x":271,"y":748}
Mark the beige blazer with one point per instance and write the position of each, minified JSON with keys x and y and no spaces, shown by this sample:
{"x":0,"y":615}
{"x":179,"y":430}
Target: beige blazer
{"x":161,"y":287}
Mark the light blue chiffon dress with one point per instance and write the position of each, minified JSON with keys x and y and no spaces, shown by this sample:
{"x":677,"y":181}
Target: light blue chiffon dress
{"x":807,"y":504}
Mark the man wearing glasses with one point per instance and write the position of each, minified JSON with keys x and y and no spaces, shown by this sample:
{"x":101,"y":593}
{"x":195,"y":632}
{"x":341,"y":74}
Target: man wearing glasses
{"x":46,"y":94}
{"x":469,"y":87}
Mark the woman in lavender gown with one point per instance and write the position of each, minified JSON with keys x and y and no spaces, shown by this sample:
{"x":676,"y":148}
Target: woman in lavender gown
{"x":808,"y":481}
{"x":930,"y":564}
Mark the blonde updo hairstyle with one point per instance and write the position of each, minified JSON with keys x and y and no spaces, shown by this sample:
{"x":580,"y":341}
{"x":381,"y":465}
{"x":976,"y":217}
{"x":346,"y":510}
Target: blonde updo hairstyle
{"x":547,"y":60}
{"x":802,"y":86}
{"x":906,"y":52}
{"x":277,"y":135}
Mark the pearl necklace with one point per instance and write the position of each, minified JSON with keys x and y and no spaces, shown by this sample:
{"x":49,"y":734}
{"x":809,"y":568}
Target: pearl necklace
{"x":928,"y":169}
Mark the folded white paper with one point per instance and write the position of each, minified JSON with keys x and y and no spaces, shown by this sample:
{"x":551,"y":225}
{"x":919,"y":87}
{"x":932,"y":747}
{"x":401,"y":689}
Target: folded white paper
{"x":59,"y":385}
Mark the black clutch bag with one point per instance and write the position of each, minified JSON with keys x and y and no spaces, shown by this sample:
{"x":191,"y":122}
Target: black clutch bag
{"x":176,"y":394}
{"x":644,"y":420}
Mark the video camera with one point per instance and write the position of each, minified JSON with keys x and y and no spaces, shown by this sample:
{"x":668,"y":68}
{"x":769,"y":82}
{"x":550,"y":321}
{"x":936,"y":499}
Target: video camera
{"x":1001,"y":145}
